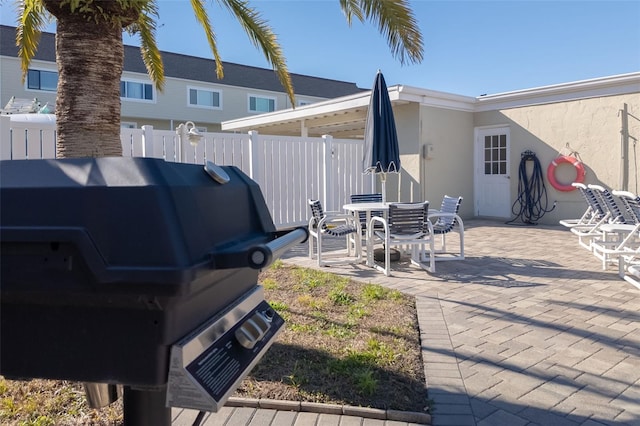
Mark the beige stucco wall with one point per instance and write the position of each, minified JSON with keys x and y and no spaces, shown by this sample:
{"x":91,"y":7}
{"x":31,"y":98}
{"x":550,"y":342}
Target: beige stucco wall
{"x":408,"y":140}
{"x":449,"y":171}
{"x":591,"y":127}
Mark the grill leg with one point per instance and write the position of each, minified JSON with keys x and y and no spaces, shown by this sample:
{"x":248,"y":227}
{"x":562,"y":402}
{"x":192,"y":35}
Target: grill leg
{"x":146,"y":407}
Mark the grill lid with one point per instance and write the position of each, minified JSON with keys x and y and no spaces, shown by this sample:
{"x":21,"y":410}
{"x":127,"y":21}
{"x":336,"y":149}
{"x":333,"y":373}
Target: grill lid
{"x":135,"y":219}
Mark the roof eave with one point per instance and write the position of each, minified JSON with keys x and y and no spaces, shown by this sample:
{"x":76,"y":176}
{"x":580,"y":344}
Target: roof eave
{"x":597,"y":87}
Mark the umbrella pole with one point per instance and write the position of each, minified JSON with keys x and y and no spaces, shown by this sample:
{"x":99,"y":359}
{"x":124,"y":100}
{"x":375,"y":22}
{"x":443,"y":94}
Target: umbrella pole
{"x":383,"y":181}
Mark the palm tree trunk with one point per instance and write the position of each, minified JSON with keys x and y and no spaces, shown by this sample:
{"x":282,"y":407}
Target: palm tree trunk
{"x":90,"y":59}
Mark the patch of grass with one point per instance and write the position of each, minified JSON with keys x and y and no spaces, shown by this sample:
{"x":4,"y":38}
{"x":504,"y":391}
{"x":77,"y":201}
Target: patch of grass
{"x":365,"y":382}
{"x":311,"y":302}
{"x":270,"y":284}
{"x":277,"y":264}
{"x":345,"y":343}
{"x":52,"y":402}
{"x":302,"y":328}
{"x":374,"y":292}
{"x":309,"y":279}
{"x":357,"y":312}
{"x":339,"y":296}
{"x":279,"y":306}
{"x":339,"y":331}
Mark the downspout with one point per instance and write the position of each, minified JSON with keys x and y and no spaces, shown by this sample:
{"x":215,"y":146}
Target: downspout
{"x":624,"y":148}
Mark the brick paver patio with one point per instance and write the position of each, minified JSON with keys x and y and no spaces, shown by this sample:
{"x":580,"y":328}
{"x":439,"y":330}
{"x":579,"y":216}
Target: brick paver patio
{"x":527,"y":330}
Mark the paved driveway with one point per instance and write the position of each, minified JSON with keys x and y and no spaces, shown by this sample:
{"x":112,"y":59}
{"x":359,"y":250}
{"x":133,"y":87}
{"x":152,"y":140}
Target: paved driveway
{"x":527,"y":330}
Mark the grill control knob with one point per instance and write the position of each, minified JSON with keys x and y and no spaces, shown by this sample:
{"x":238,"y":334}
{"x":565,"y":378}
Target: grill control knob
{"x":253,"y":330}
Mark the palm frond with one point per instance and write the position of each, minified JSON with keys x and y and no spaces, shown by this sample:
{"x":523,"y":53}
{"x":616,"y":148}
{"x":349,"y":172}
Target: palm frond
{"x":33,"y":17}
{"x":396,"y":21}
{"x":351,"y":7}
{"x":263,"y":37}
{"x":203,"y":18}
{"x":146,"y":27}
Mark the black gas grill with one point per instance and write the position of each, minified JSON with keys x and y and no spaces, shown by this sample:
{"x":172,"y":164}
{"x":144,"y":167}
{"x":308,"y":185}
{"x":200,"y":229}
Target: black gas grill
{"x":118,"y":270}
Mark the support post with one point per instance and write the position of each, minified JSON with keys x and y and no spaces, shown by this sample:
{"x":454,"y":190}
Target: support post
{"x":327,"y":181}
{"x":146,"y":407}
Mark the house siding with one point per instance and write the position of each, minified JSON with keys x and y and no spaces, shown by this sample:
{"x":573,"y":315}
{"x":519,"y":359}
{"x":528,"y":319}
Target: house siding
{"x":181,"y":71}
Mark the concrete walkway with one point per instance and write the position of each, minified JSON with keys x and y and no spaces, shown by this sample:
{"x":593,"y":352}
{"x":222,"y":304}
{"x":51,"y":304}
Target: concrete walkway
{"x":527,"y":330}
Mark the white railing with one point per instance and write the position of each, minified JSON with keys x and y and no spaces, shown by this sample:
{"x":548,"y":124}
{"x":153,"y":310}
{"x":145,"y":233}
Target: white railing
{"x":289,"y":169}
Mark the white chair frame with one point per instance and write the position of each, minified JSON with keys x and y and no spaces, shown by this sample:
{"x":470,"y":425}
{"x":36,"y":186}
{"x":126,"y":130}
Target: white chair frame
{"x":417,"y":240}
{"x":326,"y":227}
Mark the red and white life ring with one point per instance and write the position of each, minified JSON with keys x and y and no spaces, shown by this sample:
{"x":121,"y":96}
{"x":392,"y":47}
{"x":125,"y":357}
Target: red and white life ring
{"x":551,"y":172}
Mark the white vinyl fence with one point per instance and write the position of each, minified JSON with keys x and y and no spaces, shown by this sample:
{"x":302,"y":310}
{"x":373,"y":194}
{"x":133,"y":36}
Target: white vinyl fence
{"x":290,"y":170}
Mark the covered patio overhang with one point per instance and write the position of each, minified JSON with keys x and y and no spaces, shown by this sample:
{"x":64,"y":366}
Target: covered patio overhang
{"x":342,"y":117}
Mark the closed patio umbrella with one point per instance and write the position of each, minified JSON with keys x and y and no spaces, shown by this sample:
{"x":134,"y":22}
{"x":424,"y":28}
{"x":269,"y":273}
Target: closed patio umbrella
{"x":381,"y":152}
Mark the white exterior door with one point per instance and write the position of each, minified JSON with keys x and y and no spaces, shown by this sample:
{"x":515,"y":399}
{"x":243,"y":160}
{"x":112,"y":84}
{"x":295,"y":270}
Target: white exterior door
{"x":492,"y":174}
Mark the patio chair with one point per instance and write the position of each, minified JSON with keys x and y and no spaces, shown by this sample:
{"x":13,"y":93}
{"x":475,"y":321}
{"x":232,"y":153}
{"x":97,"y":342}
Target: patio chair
{"x":332,"y":224}
{"x":406,"y":225}
{"x":362,"y":216}
{"x":366,"y":198}
{"x":444,"y":221}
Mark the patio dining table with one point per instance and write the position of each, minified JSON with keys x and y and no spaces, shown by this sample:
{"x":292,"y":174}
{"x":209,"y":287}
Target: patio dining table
{"x":355,"y":208}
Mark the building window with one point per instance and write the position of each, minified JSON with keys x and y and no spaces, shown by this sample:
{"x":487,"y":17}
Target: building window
{"x":128,"y":124}
{"x":204,"y":98}
{"x":136,"y":90}
{"x":260,"y":104}
{"x":42,"y":80}
{"x":302,"y":102}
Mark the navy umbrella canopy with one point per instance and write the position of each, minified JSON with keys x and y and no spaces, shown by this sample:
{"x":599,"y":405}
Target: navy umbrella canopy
{"x":381,"y":152}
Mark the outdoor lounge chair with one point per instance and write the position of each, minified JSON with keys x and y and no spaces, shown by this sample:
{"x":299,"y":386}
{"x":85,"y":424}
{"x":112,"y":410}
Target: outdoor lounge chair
{"x":588,"y":232}
{"x":628,"y":255}
{"x":629,"y":266}
{"x":621,"y":231}
{"x":407,"y":225}
{"x":591,"y":215}
{"x":333,"y":224}
{"x":624,"y":234}
{"x":444,"y":221}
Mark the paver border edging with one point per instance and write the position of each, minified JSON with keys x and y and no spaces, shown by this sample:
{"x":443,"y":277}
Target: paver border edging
{"x":347,"y":410}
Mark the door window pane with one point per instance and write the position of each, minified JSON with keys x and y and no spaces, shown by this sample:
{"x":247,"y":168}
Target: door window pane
{"x":495,"y":155}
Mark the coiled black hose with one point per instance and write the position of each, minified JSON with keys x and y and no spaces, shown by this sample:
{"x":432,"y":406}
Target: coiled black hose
{"x":532,"y":194}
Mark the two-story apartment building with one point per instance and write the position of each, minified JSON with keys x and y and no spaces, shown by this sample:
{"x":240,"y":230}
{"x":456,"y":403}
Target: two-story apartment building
{"x":192,"y":91}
